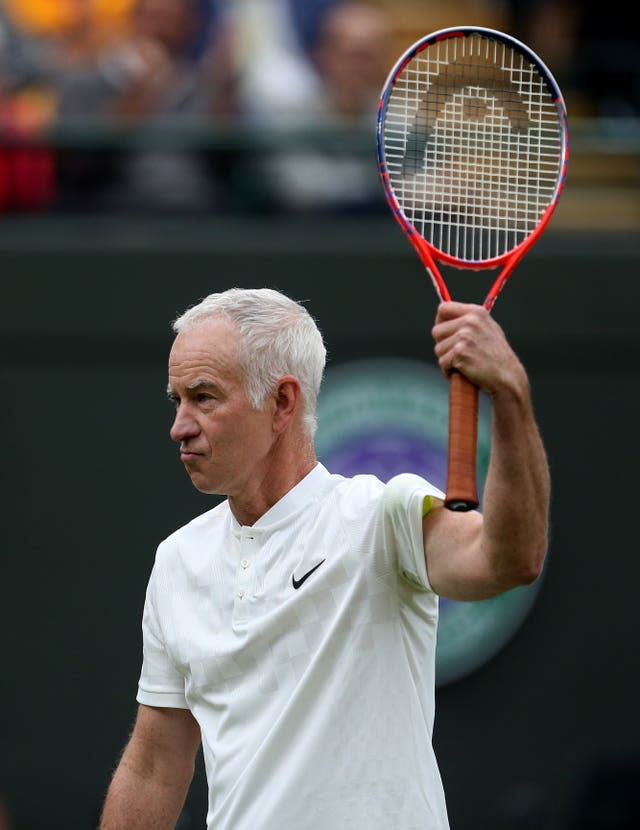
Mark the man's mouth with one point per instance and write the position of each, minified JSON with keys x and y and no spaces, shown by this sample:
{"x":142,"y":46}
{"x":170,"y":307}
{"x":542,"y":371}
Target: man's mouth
{"x":187,"y":455}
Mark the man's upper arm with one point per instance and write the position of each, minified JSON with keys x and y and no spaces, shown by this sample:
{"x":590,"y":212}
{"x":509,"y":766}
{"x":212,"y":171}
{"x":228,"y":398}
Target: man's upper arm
{"x":163,"y":744}
{"x":453,"y":554}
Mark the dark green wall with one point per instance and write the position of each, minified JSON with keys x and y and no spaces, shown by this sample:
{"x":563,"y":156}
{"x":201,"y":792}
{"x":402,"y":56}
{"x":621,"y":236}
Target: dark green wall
{"x":91,"y":484}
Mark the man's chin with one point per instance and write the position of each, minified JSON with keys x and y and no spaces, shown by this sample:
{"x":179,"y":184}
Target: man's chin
{"x":205,"y":487}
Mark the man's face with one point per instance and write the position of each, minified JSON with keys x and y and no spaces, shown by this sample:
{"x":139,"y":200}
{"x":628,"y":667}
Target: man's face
{"x":222,"y":438}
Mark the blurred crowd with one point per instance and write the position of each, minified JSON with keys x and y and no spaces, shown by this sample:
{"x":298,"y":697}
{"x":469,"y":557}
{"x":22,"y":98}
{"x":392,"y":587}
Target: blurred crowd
{"x":209,"y":105}
{"x":87,"y":74}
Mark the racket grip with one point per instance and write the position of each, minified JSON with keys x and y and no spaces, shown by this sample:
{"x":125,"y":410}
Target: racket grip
{"x":462,"y":491}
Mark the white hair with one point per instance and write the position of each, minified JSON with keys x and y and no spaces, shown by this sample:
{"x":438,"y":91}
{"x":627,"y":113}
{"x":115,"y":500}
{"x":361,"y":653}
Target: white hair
{"x":277,"y":336}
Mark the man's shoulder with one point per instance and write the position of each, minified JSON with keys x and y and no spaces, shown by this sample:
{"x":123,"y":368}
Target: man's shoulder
{"x":190,"y":533}
{"x":365,"y":490}
{"x":368,"y":485}
{"x":353,"y":493}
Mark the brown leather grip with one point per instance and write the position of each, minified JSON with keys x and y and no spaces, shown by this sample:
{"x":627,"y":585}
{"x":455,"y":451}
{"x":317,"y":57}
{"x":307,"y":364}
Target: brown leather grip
{"x":462,"y":491}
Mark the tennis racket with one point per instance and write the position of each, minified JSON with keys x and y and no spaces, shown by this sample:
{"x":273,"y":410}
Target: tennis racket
{"x":472,"y":147}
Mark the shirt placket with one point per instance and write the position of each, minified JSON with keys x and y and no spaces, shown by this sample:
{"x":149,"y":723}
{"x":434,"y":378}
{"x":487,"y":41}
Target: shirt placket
{"x":245,"y":576}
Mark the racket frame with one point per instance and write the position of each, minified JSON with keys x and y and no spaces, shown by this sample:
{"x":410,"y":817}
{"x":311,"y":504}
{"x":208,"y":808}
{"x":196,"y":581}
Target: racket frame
{"x":463,"y":413}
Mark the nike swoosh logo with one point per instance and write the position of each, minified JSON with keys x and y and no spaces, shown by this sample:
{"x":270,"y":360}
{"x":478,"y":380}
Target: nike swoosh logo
{"x":298,"y":582}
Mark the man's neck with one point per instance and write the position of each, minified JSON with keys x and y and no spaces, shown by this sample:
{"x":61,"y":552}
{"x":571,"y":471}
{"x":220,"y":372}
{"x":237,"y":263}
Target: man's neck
{"x":268,"y":488}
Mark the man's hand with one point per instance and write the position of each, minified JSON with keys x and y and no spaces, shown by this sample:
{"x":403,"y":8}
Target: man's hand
{"x":469,"y":340}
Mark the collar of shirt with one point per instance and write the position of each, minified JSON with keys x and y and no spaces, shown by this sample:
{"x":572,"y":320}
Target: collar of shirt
{"x":293,"y":501}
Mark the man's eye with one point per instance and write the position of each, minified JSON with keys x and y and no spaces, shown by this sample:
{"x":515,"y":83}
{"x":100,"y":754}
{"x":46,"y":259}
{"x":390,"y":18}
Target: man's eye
{"x":202,"y":397}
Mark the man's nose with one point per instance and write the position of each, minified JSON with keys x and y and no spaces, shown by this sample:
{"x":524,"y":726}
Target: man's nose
{"x":184,"y":425}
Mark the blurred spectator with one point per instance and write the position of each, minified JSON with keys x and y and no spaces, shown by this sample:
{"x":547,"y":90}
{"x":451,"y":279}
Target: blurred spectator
{"x":152,"y":77}
{"x":79,"y":28}
{"x":20,"y":55}
{"x":313,"y":66}
{"x":274,"y":74}
{"x":148,"y":73}
{"x":336,"y":86}
{"x":306,"y":17}
{"x":352,"y":58}
{"x":27,"y":176}
{"x":27,"y":173}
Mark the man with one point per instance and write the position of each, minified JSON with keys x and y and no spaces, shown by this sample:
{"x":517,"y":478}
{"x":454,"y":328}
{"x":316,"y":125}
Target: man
{"x":292,"y":628}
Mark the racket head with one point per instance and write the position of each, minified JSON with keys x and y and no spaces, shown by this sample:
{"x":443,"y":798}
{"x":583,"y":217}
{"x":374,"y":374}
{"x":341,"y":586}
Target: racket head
{"x":472,"y":142}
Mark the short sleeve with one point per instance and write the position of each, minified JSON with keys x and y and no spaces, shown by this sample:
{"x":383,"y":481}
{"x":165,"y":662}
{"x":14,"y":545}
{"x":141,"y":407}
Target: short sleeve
{"x":403,"y":508}
{"x":160,"y":684}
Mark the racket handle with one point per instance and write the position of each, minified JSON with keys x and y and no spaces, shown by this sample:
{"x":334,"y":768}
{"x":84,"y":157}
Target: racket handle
{"x":462,"y":491}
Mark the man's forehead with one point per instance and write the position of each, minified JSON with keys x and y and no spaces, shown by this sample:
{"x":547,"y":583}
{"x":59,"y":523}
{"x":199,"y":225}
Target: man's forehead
{"x":204,"y":354}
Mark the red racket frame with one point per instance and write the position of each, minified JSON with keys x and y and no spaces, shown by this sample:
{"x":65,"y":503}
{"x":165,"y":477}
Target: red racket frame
{"x":462,"y":491}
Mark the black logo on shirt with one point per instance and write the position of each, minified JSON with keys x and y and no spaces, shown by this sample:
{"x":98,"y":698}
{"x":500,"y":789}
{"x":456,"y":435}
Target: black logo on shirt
{"x":298,"y":582}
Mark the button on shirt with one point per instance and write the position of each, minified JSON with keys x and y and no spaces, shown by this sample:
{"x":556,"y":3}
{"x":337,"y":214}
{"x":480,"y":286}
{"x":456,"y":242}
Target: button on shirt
{"x":305,"y":648}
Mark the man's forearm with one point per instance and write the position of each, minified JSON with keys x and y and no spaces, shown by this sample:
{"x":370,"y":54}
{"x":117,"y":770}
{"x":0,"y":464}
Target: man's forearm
{"x":516,"y":496}
{"x":142,"y":802}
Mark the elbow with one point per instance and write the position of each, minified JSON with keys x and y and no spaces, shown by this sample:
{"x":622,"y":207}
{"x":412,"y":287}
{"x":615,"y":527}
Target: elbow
{"x":522,"y":570}
{"x":529,"y":574}
{"x":530,"y":567}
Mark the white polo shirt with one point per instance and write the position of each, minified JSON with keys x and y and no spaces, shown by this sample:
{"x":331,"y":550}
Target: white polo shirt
{"x":304,"y":646}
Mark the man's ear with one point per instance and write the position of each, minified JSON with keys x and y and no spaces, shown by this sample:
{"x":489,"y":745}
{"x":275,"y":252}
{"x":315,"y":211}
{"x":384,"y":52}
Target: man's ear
{"x":287,"y":402}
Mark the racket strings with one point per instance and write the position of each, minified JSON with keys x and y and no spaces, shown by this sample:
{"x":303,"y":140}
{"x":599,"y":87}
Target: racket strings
{"x":473,"y":146}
